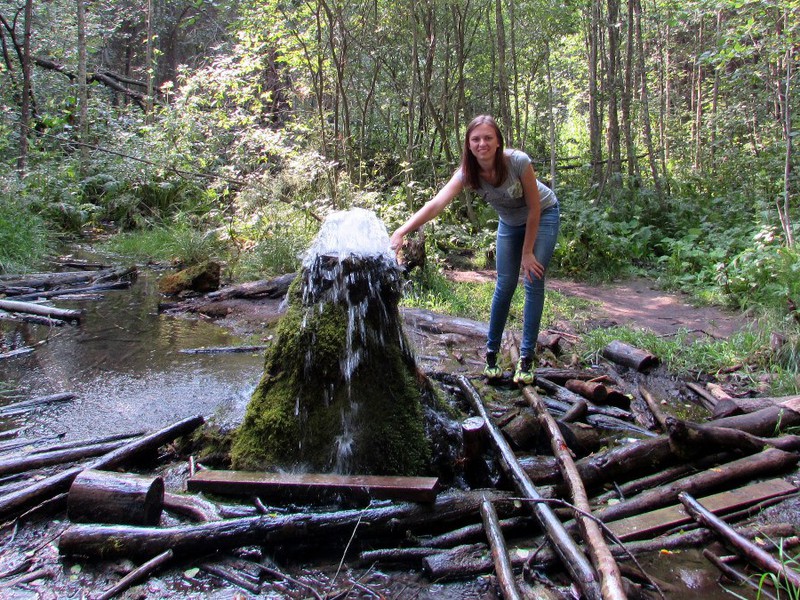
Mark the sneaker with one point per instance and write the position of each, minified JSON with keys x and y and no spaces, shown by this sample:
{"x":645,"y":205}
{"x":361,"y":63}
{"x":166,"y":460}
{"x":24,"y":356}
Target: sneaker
{"x":524,"y":372}
{"x":491,"y":370}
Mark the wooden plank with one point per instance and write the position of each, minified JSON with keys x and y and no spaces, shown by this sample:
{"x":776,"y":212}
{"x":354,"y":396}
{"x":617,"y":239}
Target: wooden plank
{"x":653,"y":522}
{"x":313,"y":486}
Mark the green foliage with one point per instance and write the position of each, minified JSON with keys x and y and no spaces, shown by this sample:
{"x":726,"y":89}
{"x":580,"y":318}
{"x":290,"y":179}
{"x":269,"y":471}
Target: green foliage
{"x":601,"y":242}
{"x":178,"y":243}
{"x":24,"y":240}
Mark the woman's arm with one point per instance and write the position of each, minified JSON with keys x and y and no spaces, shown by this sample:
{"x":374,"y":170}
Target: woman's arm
{"x":530,"y":189}
{"x":432,"y":208}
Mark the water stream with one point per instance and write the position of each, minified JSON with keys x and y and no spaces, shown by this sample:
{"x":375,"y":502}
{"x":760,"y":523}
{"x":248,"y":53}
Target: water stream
{"x":124,"y":363}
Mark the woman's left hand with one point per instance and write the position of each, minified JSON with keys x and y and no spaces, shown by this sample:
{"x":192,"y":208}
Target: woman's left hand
{"x":531,"y":268}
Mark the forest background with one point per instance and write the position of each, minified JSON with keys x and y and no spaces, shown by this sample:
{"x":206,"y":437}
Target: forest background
{"x":191,"y":129}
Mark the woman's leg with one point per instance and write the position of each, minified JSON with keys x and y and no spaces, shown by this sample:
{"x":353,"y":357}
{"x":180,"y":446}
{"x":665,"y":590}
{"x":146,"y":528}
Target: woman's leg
{"x":543,"y":250}
{"x":509,"y":259}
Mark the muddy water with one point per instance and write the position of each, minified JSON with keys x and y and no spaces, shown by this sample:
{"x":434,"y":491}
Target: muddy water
{"x":125,"y":366}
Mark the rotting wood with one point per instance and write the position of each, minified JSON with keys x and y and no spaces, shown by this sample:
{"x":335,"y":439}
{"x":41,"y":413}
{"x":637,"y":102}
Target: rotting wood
{"x":264,"y":288}
{"x":767,"y":421}
{"x":564,"y":395}
{"x":103,"y":497}
{"x":16,"y":352}
{"x":500,"y":558}
{"x":192,"y":506}
{"x":314,"y":485}
{"x":684,"y":434}
{"x":758,"y":465}
{"x":387,"y":521}
{"x":472,"y":532}
{"x":610,"y":580}
{"x":140,"y":573}
{"x":629,"y":356}
{"x":117,"y":437}
{"x":706,"y":399}
{"x":595,"y":391}
{"x":470,"y":560}
{"x":41,"y":310}
{"x":28,"y":318}
{"x":573,"y":558}
{"x":24,"y":405}
{"x":655,"y":407}
{"x":654,"y":522}
{"x":578,"y":411}
{"x":15,"y":503}
{"x":38,"y":460}
{"x":749,"y":551}
{"x":231,"y":577}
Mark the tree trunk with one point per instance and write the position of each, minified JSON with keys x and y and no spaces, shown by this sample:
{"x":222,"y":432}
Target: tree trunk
{"x":497,"y":543}
{"x":27,"y":88}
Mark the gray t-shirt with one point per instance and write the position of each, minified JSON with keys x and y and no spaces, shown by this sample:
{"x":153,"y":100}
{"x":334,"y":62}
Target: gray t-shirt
{"x":507,"y":198}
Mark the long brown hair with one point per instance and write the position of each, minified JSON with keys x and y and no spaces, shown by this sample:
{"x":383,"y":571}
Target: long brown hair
{"x":469,"y":164}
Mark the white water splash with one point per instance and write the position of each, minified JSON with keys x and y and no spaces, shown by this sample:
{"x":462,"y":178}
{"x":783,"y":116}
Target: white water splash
{"x":354,"y":232}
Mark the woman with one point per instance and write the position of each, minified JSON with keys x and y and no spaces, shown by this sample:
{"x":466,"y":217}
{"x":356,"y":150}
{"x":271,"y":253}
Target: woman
{"x":528,"y":226}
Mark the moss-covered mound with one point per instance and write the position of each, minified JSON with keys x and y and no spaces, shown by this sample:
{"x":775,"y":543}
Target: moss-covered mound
{"x":340,"y":389}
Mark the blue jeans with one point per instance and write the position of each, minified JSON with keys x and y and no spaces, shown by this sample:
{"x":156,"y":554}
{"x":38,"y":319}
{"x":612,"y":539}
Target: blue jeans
{"x":509,"y":261}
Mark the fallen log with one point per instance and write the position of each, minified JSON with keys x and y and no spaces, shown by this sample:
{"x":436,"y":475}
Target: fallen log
{"x":472,"y":532}
{"x":628,"y":356}
{"x":684,"y":434}
{"x":224,"y":350}
{"x":610,"y":579}
{"x":89,"y":289}
{"x":41,"y":310}
{"x":231,"y":577}
{"x":500,"y":558}
{"x":758,"y":465}
{"x":655,"y":407}
{"x":27,"y":318}
{"x":138,"y":574}
{"x":573,"y":558}
{"x":104,"y":541}
{"x":17,"y":502}
{"x":38,"y":460}
{"x":706,"y":399}
{"x":564,"y":395}
{"x":193,"y":507}
{"x":313,"y":486}
{"x":766,"y":422}
{"x":750,"y":552}
{"x":471,"y":560}
{"x":265,"y":288}
{"x":102,"y":497}
{"x":16,"y":352}
{"x":24,"y":405}
{"x":594,"y":391}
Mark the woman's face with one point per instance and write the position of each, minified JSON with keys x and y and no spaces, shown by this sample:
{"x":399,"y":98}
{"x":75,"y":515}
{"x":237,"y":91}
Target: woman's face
{"x":483,"y":142}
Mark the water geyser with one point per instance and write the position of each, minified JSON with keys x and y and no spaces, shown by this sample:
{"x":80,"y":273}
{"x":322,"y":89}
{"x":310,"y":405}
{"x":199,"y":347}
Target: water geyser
{"x":340,"y":390}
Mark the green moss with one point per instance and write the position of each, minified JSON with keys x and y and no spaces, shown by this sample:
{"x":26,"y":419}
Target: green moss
{"x":304,"y":403}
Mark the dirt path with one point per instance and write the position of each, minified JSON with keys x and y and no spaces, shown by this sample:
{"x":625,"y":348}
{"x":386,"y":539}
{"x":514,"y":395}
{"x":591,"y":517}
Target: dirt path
{"x":636,"y":303}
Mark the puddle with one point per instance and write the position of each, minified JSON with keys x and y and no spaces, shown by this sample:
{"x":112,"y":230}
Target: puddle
{"x":125,"y":366}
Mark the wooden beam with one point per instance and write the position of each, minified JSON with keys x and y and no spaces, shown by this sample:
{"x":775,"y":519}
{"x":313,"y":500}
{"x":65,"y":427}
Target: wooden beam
{"x":654,"y":522}
{"x":314,"y":485}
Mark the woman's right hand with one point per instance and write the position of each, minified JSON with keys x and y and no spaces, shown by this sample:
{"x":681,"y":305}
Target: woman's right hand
{"x":396,"y":241}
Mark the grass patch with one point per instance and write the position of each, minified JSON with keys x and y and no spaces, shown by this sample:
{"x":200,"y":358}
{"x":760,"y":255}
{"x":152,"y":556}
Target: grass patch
{"x":432,"y":290}
{"x":24,"y":241}
{"x":178,"y":243}
{"x":682,"y":354}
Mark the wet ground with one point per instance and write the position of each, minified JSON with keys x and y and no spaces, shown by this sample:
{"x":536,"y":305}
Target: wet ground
{"x":125,"y":364}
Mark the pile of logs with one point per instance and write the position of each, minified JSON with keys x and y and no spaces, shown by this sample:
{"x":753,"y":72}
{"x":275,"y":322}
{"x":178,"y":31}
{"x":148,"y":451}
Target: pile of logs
{"x":23,"y":297}
{"x":578,"y":515}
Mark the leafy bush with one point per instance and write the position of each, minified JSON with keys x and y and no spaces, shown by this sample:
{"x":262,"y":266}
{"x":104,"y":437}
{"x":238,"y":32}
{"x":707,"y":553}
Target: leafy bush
{"x":177,"y":243}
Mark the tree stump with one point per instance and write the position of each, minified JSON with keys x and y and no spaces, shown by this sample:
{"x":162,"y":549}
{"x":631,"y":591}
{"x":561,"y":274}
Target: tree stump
{"x":105,"y":497}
